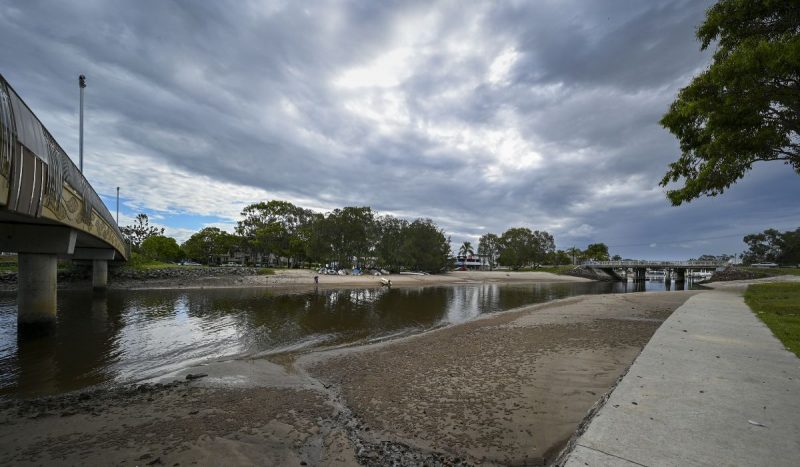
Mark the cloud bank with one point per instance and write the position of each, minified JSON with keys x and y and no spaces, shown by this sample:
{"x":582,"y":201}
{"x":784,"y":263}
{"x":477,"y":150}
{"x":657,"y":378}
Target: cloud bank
{"x":479,"y":115}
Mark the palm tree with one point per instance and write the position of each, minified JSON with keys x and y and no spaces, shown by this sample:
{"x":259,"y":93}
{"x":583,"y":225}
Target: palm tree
{"x":575,"y":253}
{"x":465,"y":250}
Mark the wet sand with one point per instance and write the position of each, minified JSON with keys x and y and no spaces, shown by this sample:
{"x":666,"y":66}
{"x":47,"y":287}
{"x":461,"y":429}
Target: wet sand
{"x":510,"y":388}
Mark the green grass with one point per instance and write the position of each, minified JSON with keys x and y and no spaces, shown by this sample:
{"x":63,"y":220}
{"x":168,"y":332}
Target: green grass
{"x":772,"y":272}
{"x":265,"y":272}
{"x":143,"y":263}
{"x":778,"y":305}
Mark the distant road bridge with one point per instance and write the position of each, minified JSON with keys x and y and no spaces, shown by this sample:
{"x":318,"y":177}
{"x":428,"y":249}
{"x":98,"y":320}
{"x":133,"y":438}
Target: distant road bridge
{"x":639,"y":268}
{"x":47,"y":211}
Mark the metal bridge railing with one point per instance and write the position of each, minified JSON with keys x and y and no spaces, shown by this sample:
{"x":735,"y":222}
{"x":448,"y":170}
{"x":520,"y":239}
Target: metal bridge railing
{"x":622,"y":264}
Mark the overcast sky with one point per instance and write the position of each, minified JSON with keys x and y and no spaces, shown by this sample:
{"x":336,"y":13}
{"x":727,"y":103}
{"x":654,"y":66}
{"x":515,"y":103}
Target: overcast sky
{"x":478,"y":115}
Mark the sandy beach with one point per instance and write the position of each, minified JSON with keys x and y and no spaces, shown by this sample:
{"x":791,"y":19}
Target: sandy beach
{"x":510,"y":388}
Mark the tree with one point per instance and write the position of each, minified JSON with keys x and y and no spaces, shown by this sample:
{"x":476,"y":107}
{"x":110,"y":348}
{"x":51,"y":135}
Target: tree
{"x":543,"y":246}
{"x":140,"y":231}
{"x":489,"y":247}
{"x":209,"y":241}
{"x":318,"y":245}
{"x":773,"y":246}
{"x":161,"y":248}
{"x":425,"y":247}
{"x":520,"y":247}
{"x":575,"y":253}
{"x":559,"y":257}
{"x":745,"y":107}
{"x":389,"y":245}
{"x":790,"y":251}
{"x":352,"y":233}
{"x":616,"y":258}
{"x":596,"y":252}
{"x":275,"y":227}
{"x":466,"y":249}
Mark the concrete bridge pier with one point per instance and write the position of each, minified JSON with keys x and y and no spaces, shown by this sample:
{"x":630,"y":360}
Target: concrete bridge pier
{"x":639,"y":274}
{"x":38,"y":248}
{"x":667,"y":275}
{"x":36,"y":289}
{"x":680,"y":275}
{"x":99,"y":258}
{"x":99,"y":274}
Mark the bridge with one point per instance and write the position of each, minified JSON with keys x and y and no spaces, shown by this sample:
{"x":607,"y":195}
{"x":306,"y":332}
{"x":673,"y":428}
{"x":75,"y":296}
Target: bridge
{"x":47,"y":211}
{"x":639,"y":268}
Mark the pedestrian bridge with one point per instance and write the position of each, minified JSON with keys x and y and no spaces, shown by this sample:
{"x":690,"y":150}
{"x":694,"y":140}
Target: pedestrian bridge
{"x":639,"y":268}
{"x":47,"y":210}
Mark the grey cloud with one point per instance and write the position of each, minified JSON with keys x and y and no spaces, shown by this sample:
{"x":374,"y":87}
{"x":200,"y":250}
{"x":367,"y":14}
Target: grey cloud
{"x":244,"y":93}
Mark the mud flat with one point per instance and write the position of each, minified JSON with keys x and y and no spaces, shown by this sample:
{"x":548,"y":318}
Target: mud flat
{"x":510,"y":388}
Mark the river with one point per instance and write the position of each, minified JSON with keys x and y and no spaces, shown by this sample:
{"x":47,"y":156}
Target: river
{"x":131,"y":336}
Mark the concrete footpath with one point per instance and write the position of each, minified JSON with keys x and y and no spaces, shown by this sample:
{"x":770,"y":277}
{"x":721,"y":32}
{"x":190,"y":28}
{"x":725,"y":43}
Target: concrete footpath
{"x":713,"y":387}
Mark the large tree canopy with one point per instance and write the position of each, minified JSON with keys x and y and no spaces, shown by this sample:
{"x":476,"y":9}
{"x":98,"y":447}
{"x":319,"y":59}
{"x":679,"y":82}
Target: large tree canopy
{"x":745,"y":107}
{"x":773,"y":245}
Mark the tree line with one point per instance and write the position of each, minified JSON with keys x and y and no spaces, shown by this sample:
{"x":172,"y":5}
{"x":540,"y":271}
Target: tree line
{"x":520,"y":247}
{"x":773,"y":246}
{"x":348,"y":237}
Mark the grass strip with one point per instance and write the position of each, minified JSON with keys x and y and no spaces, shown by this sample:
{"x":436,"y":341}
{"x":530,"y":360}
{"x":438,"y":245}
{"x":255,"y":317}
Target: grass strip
{"x":778,"y":306}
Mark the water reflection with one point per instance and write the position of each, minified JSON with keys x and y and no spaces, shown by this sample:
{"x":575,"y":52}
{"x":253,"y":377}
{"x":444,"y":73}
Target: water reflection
{"x":127,"y":336}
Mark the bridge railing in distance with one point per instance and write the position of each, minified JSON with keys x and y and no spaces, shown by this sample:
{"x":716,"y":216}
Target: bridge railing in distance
{"x":658,"y":264}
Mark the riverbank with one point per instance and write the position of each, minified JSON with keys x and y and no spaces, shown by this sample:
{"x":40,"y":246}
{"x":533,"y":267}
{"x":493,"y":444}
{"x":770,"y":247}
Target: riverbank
{"x":304,"y":278}
{"x":509,"y":388}
{"x":202,"y":278}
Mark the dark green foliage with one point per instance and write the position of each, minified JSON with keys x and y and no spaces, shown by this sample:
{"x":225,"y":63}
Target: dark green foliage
{"x":559,"y":257}
{"x":773,"y":246}
{"x":390,"y":242}
{"x":425,"y":247}
{"x":745,"y":107}
{"x":161,"y":248}
{"x":276,"y":227}
{"x":207,"y":242}
{"x":521,"y":247}
{"x":596,"y":252}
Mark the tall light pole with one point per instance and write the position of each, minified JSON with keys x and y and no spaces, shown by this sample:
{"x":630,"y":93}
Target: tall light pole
{"x":82,"y":84}
{"x":117,"y":205}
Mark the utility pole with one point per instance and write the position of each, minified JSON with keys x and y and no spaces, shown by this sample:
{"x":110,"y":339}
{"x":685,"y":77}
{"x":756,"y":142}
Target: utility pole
{"x":82,"y":85}
{"x":117,"y":205}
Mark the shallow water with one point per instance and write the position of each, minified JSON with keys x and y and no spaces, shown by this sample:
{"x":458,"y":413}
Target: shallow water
{"x":130,"y":336}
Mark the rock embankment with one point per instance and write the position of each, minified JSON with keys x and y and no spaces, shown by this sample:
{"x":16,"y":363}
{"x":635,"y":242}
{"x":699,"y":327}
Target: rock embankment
{"x":181,"y":273}
{"x":79,"y":274}
{"x":735,"y":274}
{"x":587,"y":273}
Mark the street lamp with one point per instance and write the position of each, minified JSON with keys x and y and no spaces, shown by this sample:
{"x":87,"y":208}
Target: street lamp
{"x":117,"y":205}
{"x":82,"y":85}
